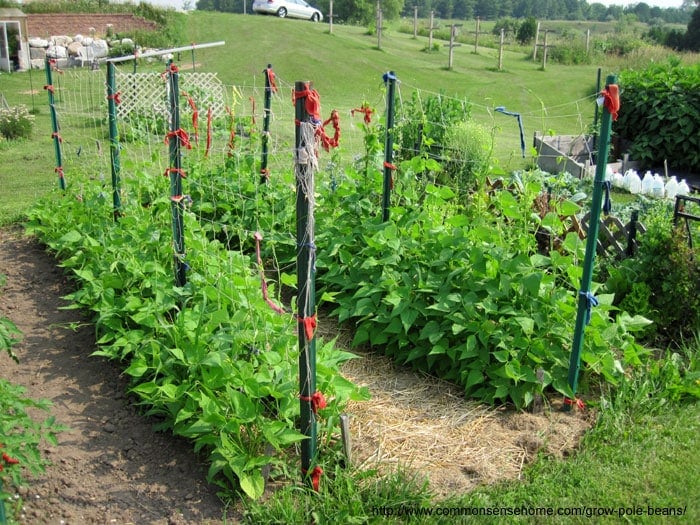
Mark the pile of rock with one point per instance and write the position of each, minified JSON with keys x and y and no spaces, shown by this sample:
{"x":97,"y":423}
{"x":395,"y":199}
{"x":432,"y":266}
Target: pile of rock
{"x":73,"y":51}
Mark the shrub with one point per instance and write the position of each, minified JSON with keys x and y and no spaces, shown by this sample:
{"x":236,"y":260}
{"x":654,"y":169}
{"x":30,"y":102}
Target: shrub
{"x":468,"y":145}
{"x":660,"y":114}
{"x":16,"y":122}
{"x":662,"y":281}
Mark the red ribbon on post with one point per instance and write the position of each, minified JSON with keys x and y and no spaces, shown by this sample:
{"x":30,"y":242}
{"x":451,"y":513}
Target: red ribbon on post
{"x":182,"y":136}
{"x":317,"y":401}
{"x":309,"y":324}
{"x":271,"y":77}
{"x":611,"y":99}
{"x":315,"y":477}
{"x":312,"y":104}
{"x":179,"y":171}
{"x":117,"y":97}
{"x":578,"y":403}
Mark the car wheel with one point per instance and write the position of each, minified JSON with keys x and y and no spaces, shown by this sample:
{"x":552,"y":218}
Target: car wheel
{"x":315,"y":17}
{"x":282,"y":12}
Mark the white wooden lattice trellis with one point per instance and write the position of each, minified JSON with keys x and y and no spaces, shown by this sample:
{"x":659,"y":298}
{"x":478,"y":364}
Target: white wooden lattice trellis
{"x":146,"y":94}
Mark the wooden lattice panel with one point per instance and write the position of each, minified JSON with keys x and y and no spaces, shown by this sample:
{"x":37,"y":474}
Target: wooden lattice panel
{"x":147,"y":94}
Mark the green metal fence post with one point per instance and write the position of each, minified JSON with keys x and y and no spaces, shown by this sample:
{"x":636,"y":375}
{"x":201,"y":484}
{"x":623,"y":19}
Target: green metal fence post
{"x":49,"y":87}
{"x":390,"y":81}
{"x":264,"y":172}
{"x":112,"y":101}
{"x":3,"y":516}
{"x":585,"y":298}
{"x":306,"y":253}
{"x":176,"y":138}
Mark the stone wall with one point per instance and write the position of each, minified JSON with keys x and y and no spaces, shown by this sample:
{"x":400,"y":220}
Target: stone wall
{"x":78,"y":39}
{"x":95,"y":25}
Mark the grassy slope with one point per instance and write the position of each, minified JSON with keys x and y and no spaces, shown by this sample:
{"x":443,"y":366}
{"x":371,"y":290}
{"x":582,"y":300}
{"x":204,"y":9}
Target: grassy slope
{"x":346,"y":67}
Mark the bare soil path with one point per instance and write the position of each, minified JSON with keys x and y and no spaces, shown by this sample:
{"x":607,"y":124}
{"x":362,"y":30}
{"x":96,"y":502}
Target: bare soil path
{"x":110,"y":466}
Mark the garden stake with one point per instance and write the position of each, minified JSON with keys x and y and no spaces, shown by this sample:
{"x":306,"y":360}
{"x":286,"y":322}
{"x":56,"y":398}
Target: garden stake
{"x":585,"y":297}
{"x":269,"y":87}
{"x":112,"y":101}
{"x":176,"y":137}
{"x":305,"y":162}
{"x":502,"y":109}
{"x":3,"y":516}
{"x":390,"y":82}
{"x":49,"y":87}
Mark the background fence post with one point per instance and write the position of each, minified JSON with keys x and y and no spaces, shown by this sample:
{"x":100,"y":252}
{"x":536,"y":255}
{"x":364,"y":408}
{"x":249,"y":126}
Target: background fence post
{"x":306,"y":253}
{"x":390,"y":81}
{"x":264,"y":172}
{"x":585,"y":298}
{"x":49,"y":87}
{"x":3,"y":516}
{"x":175,"y":139}
{"x":112,"y":100}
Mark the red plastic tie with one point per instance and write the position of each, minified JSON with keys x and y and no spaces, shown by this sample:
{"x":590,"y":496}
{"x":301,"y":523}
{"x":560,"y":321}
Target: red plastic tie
{"x":271,"y":79}
{"x":59,"y":170}
{"x":179,"y":171}
{"x":317,"y":401}
{"x":366,"y":110}
{"x":312,"y":103}
{"x":56,"y":135}
{"x":10,"y":461}
{"x":575,"y":402}
{"x":611,"y":99}
{"x":309,"y":324}
{"x":265,"y":172}
{"x":326,"y":141}
{"x":182,"y":135}
{"x":315,"y":477}
{"x":49,"y":88}
{"x":117,"y":97}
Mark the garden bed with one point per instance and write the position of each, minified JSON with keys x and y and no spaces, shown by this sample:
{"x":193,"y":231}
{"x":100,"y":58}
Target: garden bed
{"x":111,"y":465}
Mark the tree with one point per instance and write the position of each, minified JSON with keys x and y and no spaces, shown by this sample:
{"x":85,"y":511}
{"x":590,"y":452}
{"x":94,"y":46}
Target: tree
{"x":527,"y":30}
{"x":692,"y":36}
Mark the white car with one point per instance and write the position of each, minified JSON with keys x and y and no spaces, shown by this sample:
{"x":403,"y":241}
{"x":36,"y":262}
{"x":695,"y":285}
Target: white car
{"x":288,"y":8}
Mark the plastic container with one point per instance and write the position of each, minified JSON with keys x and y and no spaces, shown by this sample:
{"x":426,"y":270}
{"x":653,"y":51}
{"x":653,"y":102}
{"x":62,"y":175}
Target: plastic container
{"x":635,"y":183}
{"x":657,"y":187}
{"x":671,"y":187}
{"x":647,"y":183}
{"x":618,"y":180}
{"x":683,"y":188}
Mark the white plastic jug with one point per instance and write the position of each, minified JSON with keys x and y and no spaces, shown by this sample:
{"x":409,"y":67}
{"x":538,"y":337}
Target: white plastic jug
{"x":683,"y":188}
{"x":671,"y":187}
{"x":647,"y":183}
{"x":635,"y":183}
{"x":618,"y":180}
{"x":657,"y":188}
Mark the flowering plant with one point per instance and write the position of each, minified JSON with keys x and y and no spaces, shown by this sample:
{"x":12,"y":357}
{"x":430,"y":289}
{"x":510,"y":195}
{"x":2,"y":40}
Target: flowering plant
{"x":16,"y":122}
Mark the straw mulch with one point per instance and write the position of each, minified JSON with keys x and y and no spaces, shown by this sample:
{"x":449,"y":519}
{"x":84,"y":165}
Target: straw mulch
{"x":427,"y":426}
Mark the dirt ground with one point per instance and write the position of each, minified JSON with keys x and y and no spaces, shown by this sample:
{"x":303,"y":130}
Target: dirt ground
{"x":111,"y":467}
